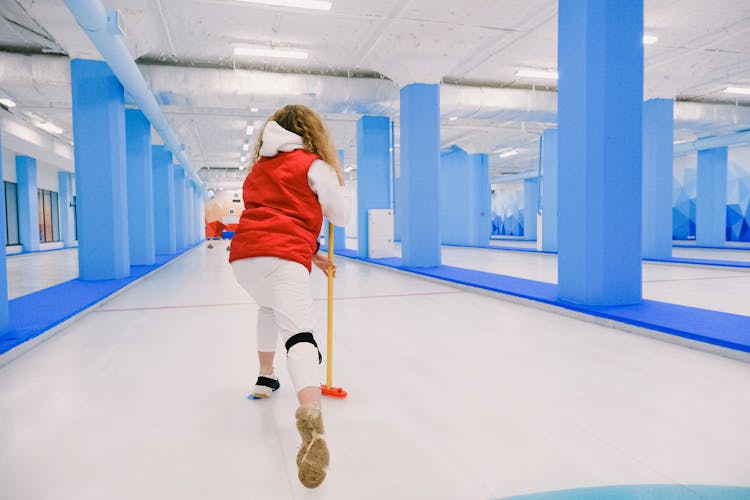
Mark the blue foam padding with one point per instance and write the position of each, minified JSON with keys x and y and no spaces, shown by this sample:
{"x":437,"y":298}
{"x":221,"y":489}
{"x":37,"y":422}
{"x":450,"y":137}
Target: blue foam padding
{"x":703,"y":262}
{"x":33,"y":314}
{"x":686,"y":245}
{"x":643,"y":492}
{"x":723,"y":329}
{"x":673,"y":260}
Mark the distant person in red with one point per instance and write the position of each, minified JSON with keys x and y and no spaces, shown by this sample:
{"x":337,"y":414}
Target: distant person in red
{"x":295,"y":181}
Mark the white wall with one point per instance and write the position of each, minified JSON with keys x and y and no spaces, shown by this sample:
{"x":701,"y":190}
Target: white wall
{"x":46,"y":173}
{"x":9,"y":165}
{"x":46,"y":177}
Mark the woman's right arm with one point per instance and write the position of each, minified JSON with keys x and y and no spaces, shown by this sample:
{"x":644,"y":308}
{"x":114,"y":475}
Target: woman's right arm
{"x":333,"y":199}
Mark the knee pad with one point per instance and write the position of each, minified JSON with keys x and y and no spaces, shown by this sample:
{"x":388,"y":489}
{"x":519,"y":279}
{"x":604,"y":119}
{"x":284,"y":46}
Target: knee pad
{"x":304,"y":337}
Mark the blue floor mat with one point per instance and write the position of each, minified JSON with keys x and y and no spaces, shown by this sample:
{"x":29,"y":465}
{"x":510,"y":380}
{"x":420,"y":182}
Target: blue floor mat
{"x":718,"y":328}
{"x":33,"y":314}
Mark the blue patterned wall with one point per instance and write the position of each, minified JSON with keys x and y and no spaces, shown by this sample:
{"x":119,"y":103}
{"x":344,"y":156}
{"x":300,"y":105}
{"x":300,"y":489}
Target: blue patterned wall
{"x":738,"y":201}
{"x":684,"y":191}
{"x":507,"y":209}
{"x":738,"y":196}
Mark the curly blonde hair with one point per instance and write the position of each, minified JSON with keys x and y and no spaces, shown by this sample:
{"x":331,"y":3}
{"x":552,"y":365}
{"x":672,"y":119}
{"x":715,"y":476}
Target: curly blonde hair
{"x":308,"y":124}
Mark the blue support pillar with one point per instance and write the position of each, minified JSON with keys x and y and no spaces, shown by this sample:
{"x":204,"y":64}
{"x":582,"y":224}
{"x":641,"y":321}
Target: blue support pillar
{"x":711,"y":202}
{"x":164,"y":217}
{"x":658,"y":156}
{"x":4,"y":316}
{"x":600,"y":121}
{"x":190,"y":212}
{"x":456,"y":197}
{"x":101,"y":181}
{"x":65,"y":200}
{"x":530,"y":207}
{"x":200,"y":208}
{"x":140,"y":189}
{"x":481,"y":219}
{"x":194,"y":211}
{"x":28,"y":203}
{"x":420,"y":173}
{"x":179,"y":210}
{"x":373,"y":172}
{"x":548,"y":159}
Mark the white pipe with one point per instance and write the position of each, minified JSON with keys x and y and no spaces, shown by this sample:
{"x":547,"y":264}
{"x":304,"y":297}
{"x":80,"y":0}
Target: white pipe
{"x":92,"y":17}
{"x":718,"y":141}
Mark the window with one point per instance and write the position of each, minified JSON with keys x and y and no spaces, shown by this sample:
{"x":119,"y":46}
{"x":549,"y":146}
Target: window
{"x":49,"y":216}
{"x":11,"y":214}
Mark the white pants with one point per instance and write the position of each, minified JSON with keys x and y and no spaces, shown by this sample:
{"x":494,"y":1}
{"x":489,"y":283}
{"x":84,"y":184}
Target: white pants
{"x":282,"y":290}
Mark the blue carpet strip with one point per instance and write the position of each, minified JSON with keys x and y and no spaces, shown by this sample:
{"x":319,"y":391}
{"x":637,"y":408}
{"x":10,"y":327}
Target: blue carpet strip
{"x":33,"y":314}
{"x":722,"y":329}
{"x":671,"y":260}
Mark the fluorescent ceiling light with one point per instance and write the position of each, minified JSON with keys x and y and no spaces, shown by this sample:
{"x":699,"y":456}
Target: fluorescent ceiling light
{"x":453,"y":118}
{"x":737,"y":90}
{"x":253,"y":110}
{"x":8,"y":103}
{"x":242,"y":159}
{"x":650,"y":39}
{"x":537,"y":73}
{"x":50,"y":127}
{"x":299,"y":4}
{"x":350,"y":169}
{"x":509,"y":152}
{"x":245,"y":147}
{"x":270,"y":52}
{"x":249,"y":130}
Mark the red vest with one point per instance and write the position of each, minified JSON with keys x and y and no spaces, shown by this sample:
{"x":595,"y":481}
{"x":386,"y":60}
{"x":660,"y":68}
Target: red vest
{"x":282,"y":216}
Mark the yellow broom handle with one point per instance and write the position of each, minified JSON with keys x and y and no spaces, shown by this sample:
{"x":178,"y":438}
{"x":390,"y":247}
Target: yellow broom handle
{"x":329,"y":358}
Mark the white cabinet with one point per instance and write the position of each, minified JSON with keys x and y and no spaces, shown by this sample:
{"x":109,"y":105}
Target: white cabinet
{"x":380,"y":233}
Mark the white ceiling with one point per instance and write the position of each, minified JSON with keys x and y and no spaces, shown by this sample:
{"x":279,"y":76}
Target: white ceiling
{"x":360,"y":53}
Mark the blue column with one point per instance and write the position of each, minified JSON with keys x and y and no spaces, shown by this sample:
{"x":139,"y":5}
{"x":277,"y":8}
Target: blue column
{"x":140,"y":189}
{"x":600,"y":122}
{"x":101,"y":181}
{"x":4,"y":316}
{"x":456,"y":197}
{"x":65,"y":200}
{"x":373,"y":172}
{"x":482,"y":220}
{"x":658,"y":156}
{"x":189,"y":212}
{"x":420,"y":164}
{"x":164,"y":218}
{"x":200,"y":206}
{"x":194,"y":211}
{"x":28,"y":203}
{"x":530,"y":207}
{"x":548,"y":159}
{"x":179,"y":210}
{"x":711,"y":202}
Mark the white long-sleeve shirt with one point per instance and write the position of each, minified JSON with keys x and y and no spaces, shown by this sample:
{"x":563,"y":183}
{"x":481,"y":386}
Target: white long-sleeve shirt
{"x":321,"y":177}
